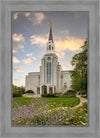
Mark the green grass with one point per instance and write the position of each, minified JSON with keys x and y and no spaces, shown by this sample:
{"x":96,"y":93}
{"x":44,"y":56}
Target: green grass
{"x":54,"y":102}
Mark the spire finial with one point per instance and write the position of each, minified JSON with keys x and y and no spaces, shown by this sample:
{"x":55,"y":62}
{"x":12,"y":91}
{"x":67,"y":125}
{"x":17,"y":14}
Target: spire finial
{"x":50,"y":24}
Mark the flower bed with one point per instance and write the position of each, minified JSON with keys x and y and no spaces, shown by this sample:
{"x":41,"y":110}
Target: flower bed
{"x":39,"y":113}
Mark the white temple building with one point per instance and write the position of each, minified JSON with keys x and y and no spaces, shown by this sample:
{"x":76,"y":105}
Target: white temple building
{"x":51,"y":78}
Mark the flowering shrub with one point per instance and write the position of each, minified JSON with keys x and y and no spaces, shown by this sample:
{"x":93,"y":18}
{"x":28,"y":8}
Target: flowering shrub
{"x":38,"y":113}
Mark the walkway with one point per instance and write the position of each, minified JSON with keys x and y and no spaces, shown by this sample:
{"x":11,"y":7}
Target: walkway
{"x":30,"y":95}
{"x":82,"y":101}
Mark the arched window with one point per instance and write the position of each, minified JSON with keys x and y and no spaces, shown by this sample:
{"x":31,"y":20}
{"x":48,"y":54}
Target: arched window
{"x":48,"y":72}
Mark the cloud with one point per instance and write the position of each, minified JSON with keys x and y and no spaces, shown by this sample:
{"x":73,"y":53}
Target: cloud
{"x":22,"y":77}
{"x":15,"y":16}
{"x":35,"y":17}
{"x":18,"y":69}
{"x":27,"y":14}
{"x":35,"y":59}
{"x":71,"y":43}
{"x":30,"y":55}
{"x":27,"y":61}
{"x":61,"y":44}
{"x":38,"y":40}
{"x":60,"y":54}
{"x":18,"y":38}
{"x":39,"y":17}
{"x":20,"y":46}
{"x":14,"y":51}
{"x":14,"y":80}
{"x":17,"y":47}
{"x":15,"y":60}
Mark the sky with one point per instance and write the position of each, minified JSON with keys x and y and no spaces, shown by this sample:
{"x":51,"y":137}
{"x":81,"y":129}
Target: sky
{"x":30,"y":32}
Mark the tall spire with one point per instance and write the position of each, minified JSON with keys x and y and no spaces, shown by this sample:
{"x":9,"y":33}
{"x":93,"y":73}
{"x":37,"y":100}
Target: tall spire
{"x":50,"y":34}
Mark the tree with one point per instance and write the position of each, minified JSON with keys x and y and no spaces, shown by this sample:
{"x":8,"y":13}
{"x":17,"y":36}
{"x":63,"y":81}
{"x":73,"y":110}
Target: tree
{"x":22,"y":89}
{"x":79,"y":75}
{"x":17,"y":89}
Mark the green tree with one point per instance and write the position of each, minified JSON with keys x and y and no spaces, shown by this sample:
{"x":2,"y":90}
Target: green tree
{"x":15,"y":89}
{"x":79,"y":75}
{"x":22,"y":89}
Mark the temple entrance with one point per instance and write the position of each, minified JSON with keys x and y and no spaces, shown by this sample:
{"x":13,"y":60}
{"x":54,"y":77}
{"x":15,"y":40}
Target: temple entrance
{"x":50,"y":90}
{"x":44,"y":89}
{"x":38,"y":90}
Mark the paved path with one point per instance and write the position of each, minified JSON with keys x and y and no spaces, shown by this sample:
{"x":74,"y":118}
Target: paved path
{"x":82,"y":101}
{"x":30,"y":95}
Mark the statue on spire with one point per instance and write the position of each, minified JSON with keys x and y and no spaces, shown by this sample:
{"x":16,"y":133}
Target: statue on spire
{"x":50,"y":24}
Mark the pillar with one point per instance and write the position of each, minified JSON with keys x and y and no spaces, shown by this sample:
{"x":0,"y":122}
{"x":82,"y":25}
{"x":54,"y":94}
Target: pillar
{"x":53,"y":89}
{"x":47,"y":89}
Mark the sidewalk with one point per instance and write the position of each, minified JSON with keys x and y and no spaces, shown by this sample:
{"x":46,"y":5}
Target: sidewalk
{"x":82,"y":101}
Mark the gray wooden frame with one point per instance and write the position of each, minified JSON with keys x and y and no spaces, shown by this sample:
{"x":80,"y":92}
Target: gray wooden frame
{"x":92,"y":6}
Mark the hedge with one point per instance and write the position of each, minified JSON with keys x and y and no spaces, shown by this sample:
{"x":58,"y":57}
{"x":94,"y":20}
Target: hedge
{"x":17,"y":94}
{"x":48,"y":95}
{"x":70,"y":93}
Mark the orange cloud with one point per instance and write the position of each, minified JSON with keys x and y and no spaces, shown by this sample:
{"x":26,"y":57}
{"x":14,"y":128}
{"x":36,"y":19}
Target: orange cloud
{"x":15,"y":60}
{"x":27,"y":14}
{"x":15,"y":16}
{"x":18,"y":38}
{"x":18,"y":69}
{"x":70,"y":43}
{"x":27,"y":61}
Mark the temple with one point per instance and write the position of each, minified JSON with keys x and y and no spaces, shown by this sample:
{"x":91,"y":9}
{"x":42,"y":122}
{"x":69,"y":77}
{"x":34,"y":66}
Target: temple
{"x":51,"y":78}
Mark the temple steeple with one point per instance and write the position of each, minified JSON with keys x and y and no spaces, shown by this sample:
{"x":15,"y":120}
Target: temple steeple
{"x":50,"y":44}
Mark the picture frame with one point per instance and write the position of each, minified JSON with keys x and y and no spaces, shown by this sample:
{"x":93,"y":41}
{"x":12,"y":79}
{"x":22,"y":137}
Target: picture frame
{"x":7,"y":6}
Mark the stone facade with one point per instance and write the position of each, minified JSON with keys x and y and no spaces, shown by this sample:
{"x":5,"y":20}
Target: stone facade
{"x":51,"y":78}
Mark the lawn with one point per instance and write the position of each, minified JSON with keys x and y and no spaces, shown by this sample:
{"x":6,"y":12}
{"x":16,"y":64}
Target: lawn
{"x":53,"y":102}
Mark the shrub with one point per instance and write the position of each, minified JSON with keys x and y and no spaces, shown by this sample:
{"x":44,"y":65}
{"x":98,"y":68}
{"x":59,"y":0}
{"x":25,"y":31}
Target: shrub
{"x":48,"y":95}
{"x":58,"y":94}
{"x":70,"y":93}
{"x":29,"y":91}
{"x":16,"y":94}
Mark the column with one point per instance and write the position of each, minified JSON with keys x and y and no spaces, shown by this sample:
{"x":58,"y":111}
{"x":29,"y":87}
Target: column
{"x":53,"y":89}
{"x":47,"y":89}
